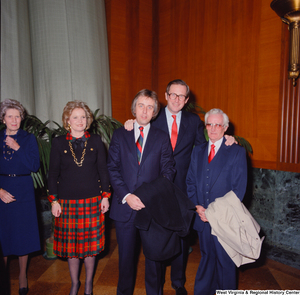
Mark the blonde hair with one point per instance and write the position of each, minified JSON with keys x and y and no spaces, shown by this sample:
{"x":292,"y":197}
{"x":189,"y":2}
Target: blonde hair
{"x":76,"y":104}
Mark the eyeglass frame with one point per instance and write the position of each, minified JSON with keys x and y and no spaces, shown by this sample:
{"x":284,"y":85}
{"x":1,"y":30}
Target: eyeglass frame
{"x":211,"y":125}
{"x":177,"y":95}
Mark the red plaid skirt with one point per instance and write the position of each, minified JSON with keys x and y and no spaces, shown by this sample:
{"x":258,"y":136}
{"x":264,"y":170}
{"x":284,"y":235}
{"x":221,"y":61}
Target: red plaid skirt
{"x":79,"y":231}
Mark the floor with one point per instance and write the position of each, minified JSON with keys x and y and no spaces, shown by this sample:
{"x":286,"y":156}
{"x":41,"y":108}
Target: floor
{"x":52,"y":276}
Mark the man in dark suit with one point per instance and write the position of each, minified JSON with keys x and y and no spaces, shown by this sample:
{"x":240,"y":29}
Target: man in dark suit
{"x":190,"y":132}
{"x":137,"y":156}
{"x":215,"y":169}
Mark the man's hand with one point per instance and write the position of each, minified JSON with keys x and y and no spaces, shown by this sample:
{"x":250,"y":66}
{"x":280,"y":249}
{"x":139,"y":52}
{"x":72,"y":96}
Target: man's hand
{"x":134,"y":202}
{"x":201,"y":212}
{"x":230,"y":140}
{"x":128,"y":125}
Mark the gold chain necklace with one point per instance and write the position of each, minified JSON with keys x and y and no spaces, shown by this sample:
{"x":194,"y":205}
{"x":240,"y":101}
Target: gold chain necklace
{"x":82,"y":156}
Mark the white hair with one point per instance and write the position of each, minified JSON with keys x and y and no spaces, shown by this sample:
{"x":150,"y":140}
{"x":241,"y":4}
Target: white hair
{"x":215,"y":112}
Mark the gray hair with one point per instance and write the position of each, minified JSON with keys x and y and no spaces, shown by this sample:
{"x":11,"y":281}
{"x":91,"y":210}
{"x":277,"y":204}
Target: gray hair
{"x":149,"y":94}
{"x":11,"y":104}
{"x":216,"y":112}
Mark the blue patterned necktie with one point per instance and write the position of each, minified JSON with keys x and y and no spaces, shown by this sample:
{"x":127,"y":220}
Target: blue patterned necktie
{"x":139,"y":144}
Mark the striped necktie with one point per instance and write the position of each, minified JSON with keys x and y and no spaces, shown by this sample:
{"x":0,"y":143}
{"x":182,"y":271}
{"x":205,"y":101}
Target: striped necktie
{"x":139,"y":144}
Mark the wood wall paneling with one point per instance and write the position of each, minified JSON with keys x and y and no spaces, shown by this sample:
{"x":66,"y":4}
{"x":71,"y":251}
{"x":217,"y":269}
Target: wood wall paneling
{"x":229,"y":52}
{"x":130,"y":52}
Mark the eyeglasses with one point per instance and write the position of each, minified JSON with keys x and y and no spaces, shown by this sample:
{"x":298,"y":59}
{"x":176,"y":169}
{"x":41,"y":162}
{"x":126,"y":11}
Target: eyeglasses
{"x":211,"y":125}
{"x":173,"y":96}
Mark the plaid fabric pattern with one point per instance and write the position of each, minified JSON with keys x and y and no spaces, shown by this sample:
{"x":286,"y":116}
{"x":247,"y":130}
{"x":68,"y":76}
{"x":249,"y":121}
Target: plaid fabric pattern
{"x":52,"y":198}
{"x":79,"y":231}
{"x":71,"y":138}
{"x":106,"y":195}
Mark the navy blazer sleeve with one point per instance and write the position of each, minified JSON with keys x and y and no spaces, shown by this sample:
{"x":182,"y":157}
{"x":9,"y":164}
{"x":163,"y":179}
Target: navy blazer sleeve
{"x":28,"y":153}
{"x":200,"y":137}
{"x":125,"y":173}
{"x":115,"y":166}
{"x":191,"y":178}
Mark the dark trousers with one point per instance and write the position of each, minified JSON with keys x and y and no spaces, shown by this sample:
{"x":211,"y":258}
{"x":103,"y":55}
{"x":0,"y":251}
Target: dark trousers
{"x":178,"y":264}
{"x":128,"y":242}
{"x":216,"y":270}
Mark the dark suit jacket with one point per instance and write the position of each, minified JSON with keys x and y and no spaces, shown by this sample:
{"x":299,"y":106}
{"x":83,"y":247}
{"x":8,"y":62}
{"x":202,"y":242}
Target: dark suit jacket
{"x":126,"y":175}
{"x":164,"y":219}
{"x":206,"y":182}
{"x":190,"y":134}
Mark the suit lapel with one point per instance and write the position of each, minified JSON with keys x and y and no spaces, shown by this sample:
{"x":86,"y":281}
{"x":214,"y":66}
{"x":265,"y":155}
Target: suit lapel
{"x":149,"y":144}
{"x":219,"y":163}
{"x":182,"y":129}
{"x":162,"y":121}
{"x":202,"y":166}
{"x":130,"y":141}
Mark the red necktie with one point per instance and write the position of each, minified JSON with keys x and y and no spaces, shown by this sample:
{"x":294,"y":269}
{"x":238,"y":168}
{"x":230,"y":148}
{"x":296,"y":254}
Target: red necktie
{"x":174,"y":133}
{"x":212,"y":153}
{"x":139,"y":144}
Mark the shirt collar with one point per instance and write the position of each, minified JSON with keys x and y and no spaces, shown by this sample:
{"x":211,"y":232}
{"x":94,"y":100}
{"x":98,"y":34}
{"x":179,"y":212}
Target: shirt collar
{"x":169,"y":114}
{"x":84,"y":137}
{"x":217,"y":144}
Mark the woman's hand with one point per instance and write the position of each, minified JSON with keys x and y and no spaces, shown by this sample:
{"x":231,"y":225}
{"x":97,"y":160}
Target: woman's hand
{"x":56,"y":209}
{"x":104,"y":205}
{"x":6,"y":197}
{"x":12,"y":143}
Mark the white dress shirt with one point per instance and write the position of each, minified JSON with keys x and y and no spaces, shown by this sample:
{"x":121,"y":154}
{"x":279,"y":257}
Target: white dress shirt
{"x":137,"y":133}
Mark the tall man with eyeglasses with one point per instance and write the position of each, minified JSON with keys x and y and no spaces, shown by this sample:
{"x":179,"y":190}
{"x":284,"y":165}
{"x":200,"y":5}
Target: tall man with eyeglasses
{"x":190,"y":133}
{"x":215,"y":170}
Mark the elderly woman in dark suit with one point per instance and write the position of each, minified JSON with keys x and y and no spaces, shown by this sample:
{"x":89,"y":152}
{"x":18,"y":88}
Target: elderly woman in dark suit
{"x":79,"y":191}
{"x":19,"y":234}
